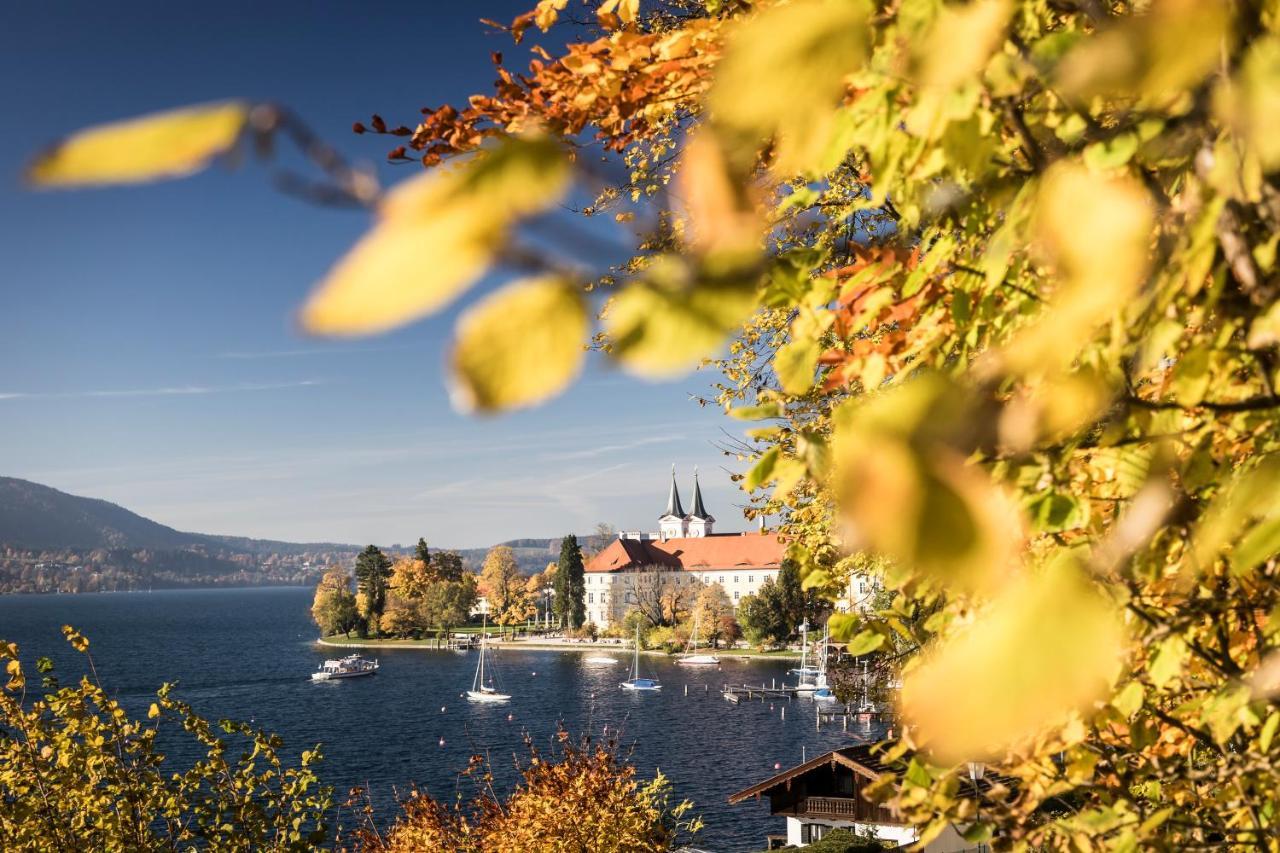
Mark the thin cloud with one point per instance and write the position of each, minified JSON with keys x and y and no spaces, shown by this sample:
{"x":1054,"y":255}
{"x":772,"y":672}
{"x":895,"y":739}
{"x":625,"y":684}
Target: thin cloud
{"x":165,"y":391}
{"x":247,"y":355}
{"x":602,"y":450}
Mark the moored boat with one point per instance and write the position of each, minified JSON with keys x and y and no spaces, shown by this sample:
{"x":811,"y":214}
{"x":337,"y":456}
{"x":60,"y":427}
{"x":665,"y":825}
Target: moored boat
{"x":692,"y":657}
{"x":483,"y":688}
{"x":352,"y":666}
{"x":635,"y":682}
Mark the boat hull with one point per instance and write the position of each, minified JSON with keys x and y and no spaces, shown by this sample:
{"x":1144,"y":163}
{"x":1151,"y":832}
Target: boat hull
{"x":698,"y":660}
{"x":481,"y":696}
{"x":640,"y":688}
{"x":334,"y":676}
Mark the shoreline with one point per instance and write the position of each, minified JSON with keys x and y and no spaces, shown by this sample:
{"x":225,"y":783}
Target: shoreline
{"x":546,"y":647}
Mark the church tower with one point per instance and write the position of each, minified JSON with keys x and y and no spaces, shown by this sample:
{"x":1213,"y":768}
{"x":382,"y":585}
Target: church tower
{"x":699,"y":521}
{"x":673,"y":523}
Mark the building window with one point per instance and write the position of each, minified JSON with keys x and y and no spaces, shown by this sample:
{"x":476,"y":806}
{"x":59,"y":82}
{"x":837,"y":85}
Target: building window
{"x":591,"y":598}
{"x":751,"y":578}
{"x":735,"y":595}
{"x":737,"y":578}
{"x":811,"y":832}
{"x":722,"y":579}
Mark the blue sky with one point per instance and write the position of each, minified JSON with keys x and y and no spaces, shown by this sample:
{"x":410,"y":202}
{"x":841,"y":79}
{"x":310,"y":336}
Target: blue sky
{"x":147,"y":354}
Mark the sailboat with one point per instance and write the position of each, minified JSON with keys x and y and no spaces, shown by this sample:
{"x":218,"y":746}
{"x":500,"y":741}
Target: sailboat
{"x":691,"y":657}
{"x":635,"y":682}
{"x":824,"y":693}
{"x":482,"y":689}
{"x":806,"y":681}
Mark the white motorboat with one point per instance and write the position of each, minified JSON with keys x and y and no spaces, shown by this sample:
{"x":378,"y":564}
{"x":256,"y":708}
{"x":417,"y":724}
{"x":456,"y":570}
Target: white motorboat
{"x":692,"y":657}
{"x":601,"y":659}
{"x":483,"y":688}
{"x":635,"y":682}
{"x":352,"y":666}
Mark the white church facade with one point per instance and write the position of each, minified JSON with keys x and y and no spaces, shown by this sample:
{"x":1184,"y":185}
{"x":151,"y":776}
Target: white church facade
{"x":687,"y":550}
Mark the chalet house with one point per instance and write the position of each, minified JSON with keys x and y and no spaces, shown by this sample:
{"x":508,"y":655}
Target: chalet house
{"x":826,"y":794}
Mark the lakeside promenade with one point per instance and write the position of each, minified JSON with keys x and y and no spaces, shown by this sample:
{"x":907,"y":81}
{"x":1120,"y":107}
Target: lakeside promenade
{"x":555,"y":644}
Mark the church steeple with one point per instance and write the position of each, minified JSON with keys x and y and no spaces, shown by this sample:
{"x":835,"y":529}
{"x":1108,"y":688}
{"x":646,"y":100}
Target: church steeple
{"x":699,"y":521}
{"x":673,"y":499}
{"x":672,"y":523}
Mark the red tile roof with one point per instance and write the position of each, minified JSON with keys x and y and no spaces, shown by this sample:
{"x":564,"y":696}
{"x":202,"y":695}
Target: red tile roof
{"x":694,"y":553}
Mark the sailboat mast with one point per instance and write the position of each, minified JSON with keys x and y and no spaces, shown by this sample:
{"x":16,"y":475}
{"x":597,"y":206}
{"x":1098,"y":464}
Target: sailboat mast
{"x":636,"y":668}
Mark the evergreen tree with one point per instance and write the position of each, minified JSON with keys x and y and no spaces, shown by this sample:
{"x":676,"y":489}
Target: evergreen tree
{"x":422,"y":552}
{"x":373,"y":571}
{"x":571,"y":585}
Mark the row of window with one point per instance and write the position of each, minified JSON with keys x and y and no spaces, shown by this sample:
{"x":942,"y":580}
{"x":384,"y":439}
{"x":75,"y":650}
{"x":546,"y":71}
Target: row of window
{"x":705,"y":579}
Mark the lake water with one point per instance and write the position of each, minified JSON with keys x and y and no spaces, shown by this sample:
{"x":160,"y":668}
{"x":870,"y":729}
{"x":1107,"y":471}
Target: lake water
{"x":248,"y":654}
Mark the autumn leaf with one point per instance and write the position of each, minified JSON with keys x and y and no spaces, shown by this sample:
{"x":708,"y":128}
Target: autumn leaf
{"x":1047,"y":647}
{"x":659,"y":328}
{"x":1160,"y":53}
{"x":783,"y":75}
{"x":520,"y":346}
{"x":169,"y":144}
{"x":1096,"y":232}
{"x":435,"y":236}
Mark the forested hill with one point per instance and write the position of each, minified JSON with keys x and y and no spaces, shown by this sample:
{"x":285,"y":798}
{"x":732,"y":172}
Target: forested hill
{"x":36,"y":516}
{"x":54,"y":541}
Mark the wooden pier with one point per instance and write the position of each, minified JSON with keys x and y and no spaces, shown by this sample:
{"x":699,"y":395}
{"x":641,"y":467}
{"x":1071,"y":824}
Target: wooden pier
{"x":736,"y":694}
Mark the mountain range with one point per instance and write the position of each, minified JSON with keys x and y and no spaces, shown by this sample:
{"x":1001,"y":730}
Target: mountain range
{"x":53,"y":541}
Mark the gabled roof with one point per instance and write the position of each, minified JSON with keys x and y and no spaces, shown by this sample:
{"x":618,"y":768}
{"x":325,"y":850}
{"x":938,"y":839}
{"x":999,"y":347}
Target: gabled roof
{"x":674,"y":509}
{"x":693,"y":553}
{"x":863,"y":759}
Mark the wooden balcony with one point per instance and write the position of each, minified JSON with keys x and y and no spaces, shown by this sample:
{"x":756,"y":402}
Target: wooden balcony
{"x":842,"y":808}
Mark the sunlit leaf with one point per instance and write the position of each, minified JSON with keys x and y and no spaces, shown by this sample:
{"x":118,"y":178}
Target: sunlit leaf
{"x":961,"y":41}
{"x":1045,"y":648}
{"x":661,"y":329}
{"x":162,"y":145}
{"x":1096,"y":232}
{"x":518,"y":347}
{"x":762,"y":471}
{"x":783,"y":74}
{"x":909,"y":494}
{"x":436,"y":234}
{"x":1252,"y":103}
{"x":722,"y":217}
{"x":1171,"y":47}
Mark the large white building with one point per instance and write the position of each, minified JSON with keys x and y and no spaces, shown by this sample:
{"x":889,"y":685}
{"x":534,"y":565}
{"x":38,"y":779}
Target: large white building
{"x":685,"y":550}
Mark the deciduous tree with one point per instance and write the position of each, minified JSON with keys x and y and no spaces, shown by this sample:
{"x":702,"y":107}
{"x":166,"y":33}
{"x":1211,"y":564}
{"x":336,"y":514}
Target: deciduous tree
{"x":503,"y":587}
{"x":333,"y":607}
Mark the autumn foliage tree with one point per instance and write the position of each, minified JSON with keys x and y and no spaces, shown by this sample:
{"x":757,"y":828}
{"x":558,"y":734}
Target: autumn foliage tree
{"x":77,"y":772}
{"x":998,"y":285}
{"x":610,"y":810}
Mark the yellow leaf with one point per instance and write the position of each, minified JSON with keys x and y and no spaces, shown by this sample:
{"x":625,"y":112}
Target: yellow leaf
{"x":961,"y":41}
{"x":153,"y":711}
{"x":906,"y":492}
{"x":722,"y":216}
{"x":1252,"y":102}
{"x":1161,"y":52}
{"x":659,"y":329}
{"x":436,"y":235}
{"x":163,"y":145}
{"x":785,"y":68}
{"x":1096,"y":232}
{"x":520,"y":346}
{"x":1048,"y":646}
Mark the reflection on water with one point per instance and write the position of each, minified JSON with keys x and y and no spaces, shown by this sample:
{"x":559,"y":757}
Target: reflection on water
{"x":248,"y":654}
